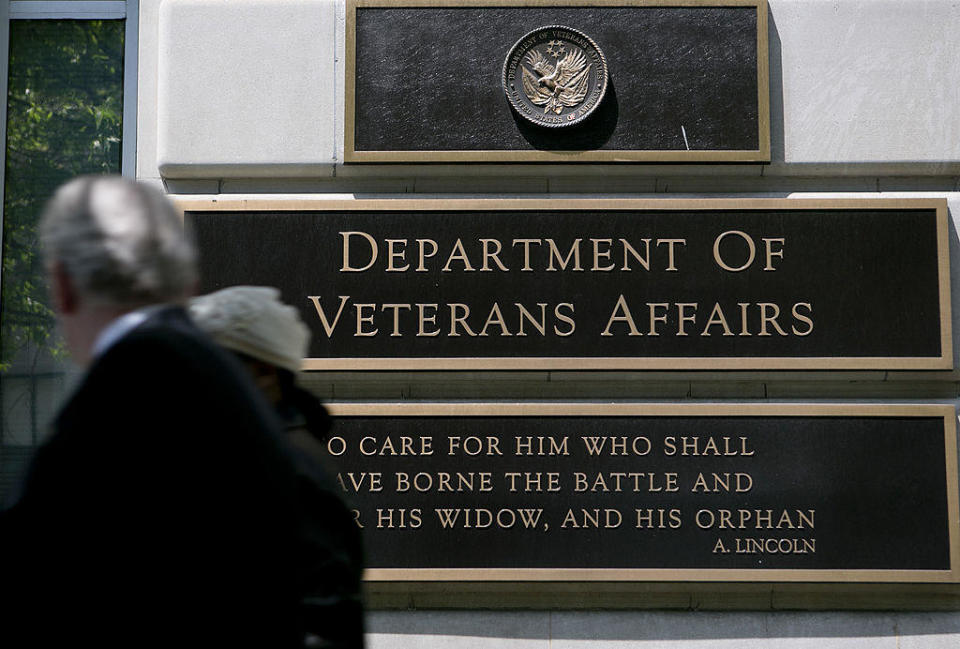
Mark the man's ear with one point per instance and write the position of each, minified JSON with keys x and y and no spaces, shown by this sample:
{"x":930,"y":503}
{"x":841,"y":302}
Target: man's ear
{"x":65,"y":298}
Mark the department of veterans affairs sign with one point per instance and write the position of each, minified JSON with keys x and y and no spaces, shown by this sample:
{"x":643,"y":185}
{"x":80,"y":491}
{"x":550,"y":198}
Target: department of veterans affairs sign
{"x":596,"y":284}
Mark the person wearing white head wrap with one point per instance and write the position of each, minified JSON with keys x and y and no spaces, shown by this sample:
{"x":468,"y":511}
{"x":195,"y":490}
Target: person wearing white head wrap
{"x":270,"y":338}
{"x":253,"y":321}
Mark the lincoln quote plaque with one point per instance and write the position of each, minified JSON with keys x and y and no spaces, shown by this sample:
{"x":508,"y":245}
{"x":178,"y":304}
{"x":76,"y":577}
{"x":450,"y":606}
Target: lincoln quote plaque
{"x":803,"y":492}
{"x":603,"y":284}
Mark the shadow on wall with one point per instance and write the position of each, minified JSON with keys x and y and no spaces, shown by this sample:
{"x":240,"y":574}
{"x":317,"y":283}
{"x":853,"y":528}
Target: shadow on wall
{"x":640,"y":626}
{"x":954,"y":254}
{"x":777,"y":139}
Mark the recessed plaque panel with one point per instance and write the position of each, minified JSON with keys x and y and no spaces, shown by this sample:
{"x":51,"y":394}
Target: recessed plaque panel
{"x":447,"y":81}
{"x":609,"y":284}
{"x":567,"y":492}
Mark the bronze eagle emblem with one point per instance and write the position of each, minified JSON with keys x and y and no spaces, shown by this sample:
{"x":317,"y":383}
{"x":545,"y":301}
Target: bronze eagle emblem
{"x":554,"y":86}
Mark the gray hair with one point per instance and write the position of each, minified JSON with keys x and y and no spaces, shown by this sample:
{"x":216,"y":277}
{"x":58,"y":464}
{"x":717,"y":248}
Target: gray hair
{"x":121,"y":242}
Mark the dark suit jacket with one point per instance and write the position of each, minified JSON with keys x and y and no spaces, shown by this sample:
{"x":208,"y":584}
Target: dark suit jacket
{"x":161,"y":510}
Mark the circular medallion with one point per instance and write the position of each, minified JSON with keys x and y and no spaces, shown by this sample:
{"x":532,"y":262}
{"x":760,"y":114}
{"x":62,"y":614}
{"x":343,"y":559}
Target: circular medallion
{"x":555,"y":76}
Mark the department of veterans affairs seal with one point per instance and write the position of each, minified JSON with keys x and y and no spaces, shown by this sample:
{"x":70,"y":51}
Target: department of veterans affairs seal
{"x":555,"y":76}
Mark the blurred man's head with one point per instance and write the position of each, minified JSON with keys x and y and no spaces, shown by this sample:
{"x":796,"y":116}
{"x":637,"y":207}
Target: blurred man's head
{"x":112,"y":245}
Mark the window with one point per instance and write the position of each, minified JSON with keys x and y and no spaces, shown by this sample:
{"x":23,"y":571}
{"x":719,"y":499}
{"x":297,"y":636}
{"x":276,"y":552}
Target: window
{"x":70,"y":74}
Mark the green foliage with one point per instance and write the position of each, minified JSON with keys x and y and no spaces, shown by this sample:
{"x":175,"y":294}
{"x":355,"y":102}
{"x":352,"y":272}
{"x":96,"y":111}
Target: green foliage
{"x":64,"y":118}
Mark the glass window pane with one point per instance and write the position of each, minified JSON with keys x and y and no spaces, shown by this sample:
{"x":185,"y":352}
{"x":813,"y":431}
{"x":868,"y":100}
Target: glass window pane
{"x":64,"y":118}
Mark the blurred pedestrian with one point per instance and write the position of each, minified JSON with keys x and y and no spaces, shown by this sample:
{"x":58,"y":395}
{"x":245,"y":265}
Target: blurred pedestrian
{"x":162,"y":509}
{"x":271,"y":340}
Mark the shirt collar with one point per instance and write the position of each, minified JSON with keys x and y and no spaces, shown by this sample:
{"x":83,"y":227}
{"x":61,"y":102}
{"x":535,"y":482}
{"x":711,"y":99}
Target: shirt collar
{"x":121,"y":326}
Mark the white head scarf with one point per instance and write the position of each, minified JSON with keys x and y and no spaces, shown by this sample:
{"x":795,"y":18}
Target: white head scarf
{"x":252,"y":320}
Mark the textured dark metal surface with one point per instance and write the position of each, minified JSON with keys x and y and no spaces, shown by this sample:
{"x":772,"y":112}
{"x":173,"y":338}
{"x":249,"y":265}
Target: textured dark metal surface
{"x":429,"y":79}
{"x":877,"y":487}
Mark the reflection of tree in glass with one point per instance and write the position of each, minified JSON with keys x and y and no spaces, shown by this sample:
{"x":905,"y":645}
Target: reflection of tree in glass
{"x":64,"y":112}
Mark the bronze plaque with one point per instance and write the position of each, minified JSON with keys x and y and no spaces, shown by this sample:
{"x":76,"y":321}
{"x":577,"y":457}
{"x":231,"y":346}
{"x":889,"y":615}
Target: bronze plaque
{"x":596,"y":284}
{"x":666,"y":81}
{"x":651,"y":492}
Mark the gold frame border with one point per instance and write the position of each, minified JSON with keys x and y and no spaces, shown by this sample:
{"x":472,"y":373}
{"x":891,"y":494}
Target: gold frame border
{"x":611,"y":575}
{"x":538,"y":363}
{"x":761,"y":154}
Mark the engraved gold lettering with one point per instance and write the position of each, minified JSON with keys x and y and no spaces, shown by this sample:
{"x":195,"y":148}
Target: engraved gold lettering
{"x":357,"y":482}
{"x":396,"y":315}
{"x":541,"y":445}
{"x":691,"y":445}
{"x":533,"y":482}
{"x":564,"y":317}
{"x":682,"y":317}
{"x":409,"y":445}
{"x":592,"y":519}
{"x":526,"y":251}
{"x":424,"y":319}
{"x":495,"y":319}
{"x":654,"y":318}
{"x":399,"y":518}
{"x":744,"y":329}
{"x":363,"y":319}
{"x":771,"y":253}
{"x":630,"y":251}
{"x":775,"y":546}
{"x":394,"y":254}
{"x":671,"y":243}
{"x":458,"y":315}
{"x":525,"y":315}
{"x":345,"y":267}
{"x":443,"y":481}
{"x":803,"y":318}
{"x":573,"y":253}
{"x":716,"y":318}
{"x":473,"y":445}
{"x":631,"y":481}
{"x":599,"y":254}
{"x":722,"y":482}
{"x":621,"y":313}
{"x":483,"y":518}
{"x":638,"y":445}
{"x":491,"y":250}
{"x":336,"y":446}
{"x":769,"y":312}
{"x":755,"y":519}
{"x":423,"y":255}
{"x":659,"y":518}
{"x":751,"y":251}
{"x":328,"y":327}
{"x":460,"y":254}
